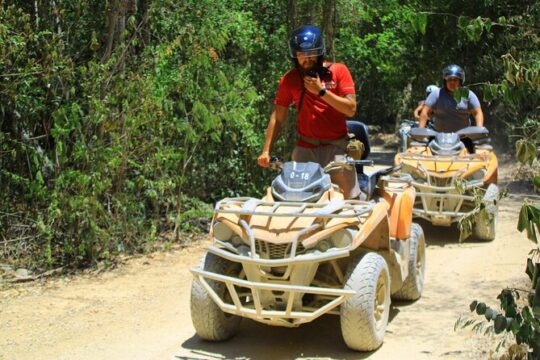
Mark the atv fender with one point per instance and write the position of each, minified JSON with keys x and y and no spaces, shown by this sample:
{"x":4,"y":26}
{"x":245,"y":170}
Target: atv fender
{"x":400,"y":209}
{"x":491,"y":174}
{"x":374,"y":233}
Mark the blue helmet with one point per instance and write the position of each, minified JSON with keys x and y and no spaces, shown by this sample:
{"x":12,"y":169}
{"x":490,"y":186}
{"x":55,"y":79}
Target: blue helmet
{"x":454,"y":70}
{"x":307,"y":39}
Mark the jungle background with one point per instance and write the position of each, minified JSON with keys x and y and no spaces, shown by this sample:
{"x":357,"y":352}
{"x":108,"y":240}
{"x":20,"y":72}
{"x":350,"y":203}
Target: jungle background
{"x":124,"y":120}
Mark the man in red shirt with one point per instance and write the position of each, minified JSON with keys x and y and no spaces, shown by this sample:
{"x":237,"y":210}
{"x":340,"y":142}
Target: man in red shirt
{"x":324,"y":96}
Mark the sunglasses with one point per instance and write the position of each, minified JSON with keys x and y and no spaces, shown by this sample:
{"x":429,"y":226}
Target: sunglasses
{"x":311,"y":53}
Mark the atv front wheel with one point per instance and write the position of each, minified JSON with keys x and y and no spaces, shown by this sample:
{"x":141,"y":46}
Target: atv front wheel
{"x":364,"y":315}
{"x":414,"y":283}
{"x":209,"y":321}
{"x":486,"y":219}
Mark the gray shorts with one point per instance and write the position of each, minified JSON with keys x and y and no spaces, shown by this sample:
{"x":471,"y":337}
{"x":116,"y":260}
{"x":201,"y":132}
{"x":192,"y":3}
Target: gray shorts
{"x":345,"y":179}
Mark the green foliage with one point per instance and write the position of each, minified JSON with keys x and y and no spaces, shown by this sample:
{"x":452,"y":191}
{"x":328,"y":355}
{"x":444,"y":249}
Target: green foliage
{"x":461,"y":93}
{"x":522,"y":322}
{"x":418,"y":22}
{"x":525,"y":151}
{"x":529,"y":220}
{"x":466,"y":223}
{"x":114,"y":125}
{"x":103,"y":153}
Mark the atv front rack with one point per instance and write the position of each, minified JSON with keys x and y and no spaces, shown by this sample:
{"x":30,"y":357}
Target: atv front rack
{"x":248,"y":206}
{"x":254,"y":309}
{"x":446,"y":158}
{"x":440,"y":200}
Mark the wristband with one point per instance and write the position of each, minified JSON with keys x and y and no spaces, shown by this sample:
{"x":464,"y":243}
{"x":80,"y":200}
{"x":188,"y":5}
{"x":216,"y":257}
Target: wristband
{"x":322,"y":92}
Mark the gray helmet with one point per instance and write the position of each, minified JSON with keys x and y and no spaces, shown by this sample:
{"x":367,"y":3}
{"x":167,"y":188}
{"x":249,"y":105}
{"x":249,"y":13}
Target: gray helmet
{"x":431,"y":88}
{"x":454,"y":70}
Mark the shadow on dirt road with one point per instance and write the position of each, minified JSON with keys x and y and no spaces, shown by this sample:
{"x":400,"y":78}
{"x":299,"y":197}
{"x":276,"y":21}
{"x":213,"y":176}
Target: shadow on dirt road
{"x":318,"y":339}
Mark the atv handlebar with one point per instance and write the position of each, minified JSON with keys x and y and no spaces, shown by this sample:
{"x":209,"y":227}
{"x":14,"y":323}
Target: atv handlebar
{"x":276,"y":163}
{"x":471,"y":132}
{"x":345,"y":162}
{"x":340,"y":161}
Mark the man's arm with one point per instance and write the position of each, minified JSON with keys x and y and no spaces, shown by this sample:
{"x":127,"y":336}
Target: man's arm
{"x":418,"y":110}
{"x":424,"y":116}
{"x":277,"y":119}
{"x":344,"y":104}
{"x":478,"y":116}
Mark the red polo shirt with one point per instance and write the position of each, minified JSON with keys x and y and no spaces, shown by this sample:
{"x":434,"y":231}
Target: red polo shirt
{"x":317,"y":119}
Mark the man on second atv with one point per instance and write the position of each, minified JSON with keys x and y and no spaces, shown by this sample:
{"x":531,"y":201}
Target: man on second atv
{"x":450,"y":116}
{"x":324,"y":96}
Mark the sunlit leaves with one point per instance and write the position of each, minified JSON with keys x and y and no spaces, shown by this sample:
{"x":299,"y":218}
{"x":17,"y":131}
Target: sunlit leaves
{"x":474,"y":28}
{"x":461,"y":93}
{"x":529,"y":220}
{"x":491,"y":91}
{"x":525,"y":151}
{"x":418,"y":22}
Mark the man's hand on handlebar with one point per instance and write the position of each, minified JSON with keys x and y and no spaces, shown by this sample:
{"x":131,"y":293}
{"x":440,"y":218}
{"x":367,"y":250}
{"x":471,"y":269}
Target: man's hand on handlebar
{"x":276,"y":163}
{"x":264,"y":159}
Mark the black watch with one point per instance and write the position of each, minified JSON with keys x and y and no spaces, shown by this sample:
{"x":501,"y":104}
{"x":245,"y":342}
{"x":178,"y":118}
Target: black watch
{"x":322,"y":92}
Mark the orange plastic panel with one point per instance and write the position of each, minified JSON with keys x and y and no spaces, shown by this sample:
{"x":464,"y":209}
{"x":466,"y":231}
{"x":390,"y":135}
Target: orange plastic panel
{"x":400,"y":212}
{"x":491,"y":174}
{"x":368,"y":236}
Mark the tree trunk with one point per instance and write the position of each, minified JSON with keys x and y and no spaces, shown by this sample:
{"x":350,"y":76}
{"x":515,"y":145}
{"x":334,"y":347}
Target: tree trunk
{"x":121,"y":25}
{"x":328,"y":26}
{"x":56,"y":17}
{"x":36,"y":11}
{"x":404,"y":110}
{"x":146,"y":31}
{"x":111,"y":22}
{"x":291,"y":15}
{"x":118,"y":10}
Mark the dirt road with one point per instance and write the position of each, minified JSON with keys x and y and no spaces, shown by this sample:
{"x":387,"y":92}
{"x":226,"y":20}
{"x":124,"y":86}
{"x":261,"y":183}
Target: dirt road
{"x":141,"y":309}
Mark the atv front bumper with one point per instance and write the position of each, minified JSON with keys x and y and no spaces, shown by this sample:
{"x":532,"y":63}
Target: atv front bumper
{"x":441,"y":205}
{"x":287,"y":311}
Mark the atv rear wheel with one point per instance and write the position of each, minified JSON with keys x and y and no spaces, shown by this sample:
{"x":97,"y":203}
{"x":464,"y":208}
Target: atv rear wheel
{"x":414,"y":283}
{"x":486,"y":219}
{"x":364,"y":315}
{"x":209,"y":321}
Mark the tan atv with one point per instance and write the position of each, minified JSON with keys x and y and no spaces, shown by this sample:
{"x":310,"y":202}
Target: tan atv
{"x":447,"y":169}
{"x":302,"y":251}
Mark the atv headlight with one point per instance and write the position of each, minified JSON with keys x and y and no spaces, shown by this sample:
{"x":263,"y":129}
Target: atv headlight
{"x":324,"y":245}
{"x":476,"y":176}
{"x":237,"y":240}
{"x":343,"y":238}
{"x":340,"y":239}
{"x":222,"y":232}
